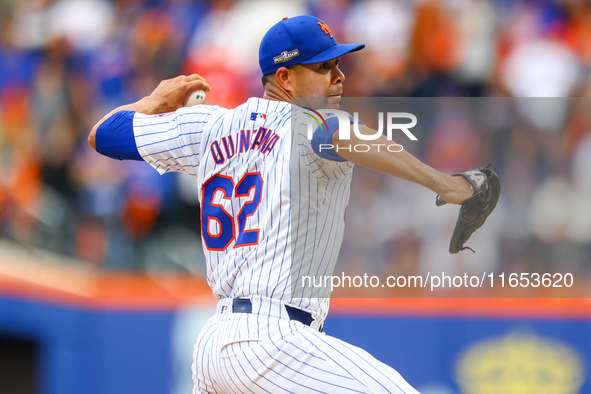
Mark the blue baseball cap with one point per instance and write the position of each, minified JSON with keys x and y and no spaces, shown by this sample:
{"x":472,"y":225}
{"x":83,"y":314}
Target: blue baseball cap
{"x":300,"y":40}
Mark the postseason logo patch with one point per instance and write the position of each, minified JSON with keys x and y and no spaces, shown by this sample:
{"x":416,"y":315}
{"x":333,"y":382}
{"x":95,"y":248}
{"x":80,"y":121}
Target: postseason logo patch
{"x":285,"y":56}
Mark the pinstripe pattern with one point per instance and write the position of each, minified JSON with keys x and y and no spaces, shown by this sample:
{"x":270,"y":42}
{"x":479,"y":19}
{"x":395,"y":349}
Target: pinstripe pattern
{"x":267,"y":353}
{"x":300,"y":224}
{"x":301,"y":216}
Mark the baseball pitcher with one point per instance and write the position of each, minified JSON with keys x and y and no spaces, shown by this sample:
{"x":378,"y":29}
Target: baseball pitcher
{"x":272,"y":210}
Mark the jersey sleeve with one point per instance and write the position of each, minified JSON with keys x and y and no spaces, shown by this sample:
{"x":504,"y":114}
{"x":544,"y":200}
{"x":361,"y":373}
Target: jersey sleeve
{"x":173,"y":141}
{"x":114,"y":137}
{"x":315,"y":145}
{"x":322,"y":138}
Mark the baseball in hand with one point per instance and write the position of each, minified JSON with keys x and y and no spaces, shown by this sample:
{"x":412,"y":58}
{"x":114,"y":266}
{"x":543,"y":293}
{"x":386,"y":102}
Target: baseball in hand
{"x":195,"y":98}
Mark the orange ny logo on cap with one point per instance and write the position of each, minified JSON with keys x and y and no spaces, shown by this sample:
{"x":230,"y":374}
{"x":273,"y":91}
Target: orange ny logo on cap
{"x":325,"y":28}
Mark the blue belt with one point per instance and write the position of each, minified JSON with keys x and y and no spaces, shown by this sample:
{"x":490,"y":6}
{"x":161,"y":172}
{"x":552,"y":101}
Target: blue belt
{"x":244,"y":305}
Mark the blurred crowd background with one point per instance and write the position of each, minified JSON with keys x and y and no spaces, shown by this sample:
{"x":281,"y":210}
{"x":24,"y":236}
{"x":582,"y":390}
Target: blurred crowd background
{"x":65,"y":63}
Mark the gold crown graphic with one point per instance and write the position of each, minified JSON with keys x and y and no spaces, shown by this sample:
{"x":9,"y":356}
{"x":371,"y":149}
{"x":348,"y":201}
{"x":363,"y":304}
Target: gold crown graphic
{"x":520,"y":363}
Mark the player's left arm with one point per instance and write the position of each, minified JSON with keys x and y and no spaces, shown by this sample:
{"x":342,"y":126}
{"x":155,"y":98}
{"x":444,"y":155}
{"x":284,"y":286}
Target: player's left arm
{"x":168,"y":96}
{"x":452,"y":189}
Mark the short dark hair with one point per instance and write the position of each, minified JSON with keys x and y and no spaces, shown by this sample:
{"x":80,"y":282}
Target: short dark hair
{"x":265,"y":79}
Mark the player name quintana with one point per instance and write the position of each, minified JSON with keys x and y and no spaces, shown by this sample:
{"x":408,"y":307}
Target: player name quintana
{"x":261,"y":139}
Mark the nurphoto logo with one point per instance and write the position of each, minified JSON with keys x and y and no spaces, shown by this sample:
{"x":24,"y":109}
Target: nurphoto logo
{"x":392,"y":122}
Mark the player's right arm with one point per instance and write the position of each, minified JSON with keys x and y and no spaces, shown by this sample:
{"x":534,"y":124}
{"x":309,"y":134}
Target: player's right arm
{"x":452,"y":189}
{"x":167,"y":97}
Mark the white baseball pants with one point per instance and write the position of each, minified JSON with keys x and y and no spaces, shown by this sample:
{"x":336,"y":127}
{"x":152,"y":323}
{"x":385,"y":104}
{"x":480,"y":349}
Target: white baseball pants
{"x":265,"y":352}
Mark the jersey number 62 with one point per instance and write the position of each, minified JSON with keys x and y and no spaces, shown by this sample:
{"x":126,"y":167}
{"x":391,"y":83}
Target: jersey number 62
{"x":220,"y":238}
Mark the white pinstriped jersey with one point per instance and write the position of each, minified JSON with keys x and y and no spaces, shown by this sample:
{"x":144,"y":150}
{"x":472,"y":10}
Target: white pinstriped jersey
{"x":272,"y":209}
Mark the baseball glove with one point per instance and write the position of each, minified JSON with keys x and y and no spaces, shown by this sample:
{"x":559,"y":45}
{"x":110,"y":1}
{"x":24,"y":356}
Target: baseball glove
{"x":486,"y":188}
